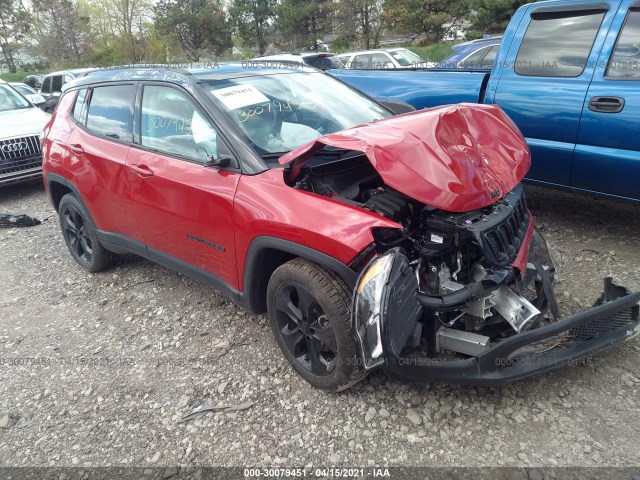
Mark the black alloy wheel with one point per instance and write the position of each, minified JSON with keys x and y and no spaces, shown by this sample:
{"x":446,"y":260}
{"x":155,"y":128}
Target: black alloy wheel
{"x":310,"y":312}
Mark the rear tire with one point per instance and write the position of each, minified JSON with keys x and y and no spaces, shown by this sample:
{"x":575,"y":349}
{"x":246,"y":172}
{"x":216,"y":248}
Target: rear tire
{"x":81,"y":236}
{"x":310,"y":313}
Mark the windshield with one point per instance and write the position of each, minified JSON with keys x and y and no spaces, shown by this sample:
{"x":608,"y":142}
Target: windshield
{"x":406,"y":57}
{"x":280,"y":112}
{"x":24,"y":89}
{"x":11,"y":100}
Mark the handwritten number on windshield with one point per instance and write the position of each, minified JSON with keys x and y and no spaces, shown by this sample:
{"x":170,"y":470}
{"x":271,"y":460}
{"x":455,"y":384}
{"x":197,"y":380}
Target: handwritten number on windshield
{"x":273,"y":106}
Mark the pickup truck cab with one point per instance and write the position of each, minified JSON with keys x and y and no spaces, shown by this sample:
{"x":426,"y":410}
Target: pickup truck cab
{"x":568,"y":74}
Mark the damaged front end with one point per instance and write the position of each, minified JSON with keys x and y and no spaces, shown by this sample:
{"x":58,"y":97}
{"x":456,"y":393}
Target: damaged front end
{"x":421,"y":324}
{"x":461,"y":290}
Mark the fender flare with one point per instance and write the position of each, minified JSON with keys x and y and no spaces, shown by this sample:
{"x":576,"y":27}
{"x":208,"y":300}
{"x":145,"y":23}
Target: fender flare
{"x":55,"y":178}
{"x":260,"y":243}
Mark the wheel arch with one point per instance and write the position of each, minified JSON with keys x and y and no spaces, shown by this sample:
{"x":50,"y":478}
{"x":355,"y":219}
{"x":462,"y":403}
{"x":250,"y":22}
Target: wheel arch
{"x":265,"y":254}
{"x":58,"y":187}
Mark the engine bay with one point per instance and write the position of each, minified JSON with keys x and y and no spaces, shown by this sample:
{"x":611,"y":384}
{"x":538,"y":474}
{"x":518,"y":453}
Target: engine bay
{"x":470,"y":293}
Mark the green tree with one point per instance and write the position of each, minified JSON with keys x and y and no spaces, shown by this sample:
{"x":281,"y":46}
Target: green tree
{"x":132,"y":18}
{"x":197,"y":25}
{"x":431,"y":19}
{"x":252,"y":20}
{"x":491,"y":16}
{"x":301,"y":22}
{"x":14,"y":25}
{"x":63,"y":35}
{"x":360,"y":21}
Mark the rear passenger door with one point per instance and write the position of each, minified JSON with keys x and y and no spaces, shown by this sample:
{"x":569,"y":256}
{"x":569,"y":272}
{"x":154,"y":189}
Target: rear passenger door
{"x":607,"y":157}
{"x":545,"y":79}
{"x":97,"y":152}
{"x":183,"y":208}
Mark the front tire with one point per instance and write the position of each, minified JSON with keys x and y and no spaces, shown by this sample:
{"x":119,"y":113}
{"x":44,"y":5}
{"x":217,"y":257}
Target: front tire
{"x":309,"y":309}
{"x":81,"y":236}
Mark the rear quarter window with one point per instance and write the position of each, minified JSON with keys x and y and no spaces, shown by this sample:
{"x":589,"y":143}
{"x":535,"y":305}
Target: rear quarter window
{"x":110,"y":112}
{"x":558,"y":44}
{"x":79,"y":112}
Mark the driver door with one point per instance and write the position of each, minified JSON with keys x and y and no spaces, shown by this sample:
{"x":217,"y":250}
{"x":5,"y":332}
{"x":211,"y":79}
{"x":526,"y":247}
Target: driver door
{"x":183,"y":208}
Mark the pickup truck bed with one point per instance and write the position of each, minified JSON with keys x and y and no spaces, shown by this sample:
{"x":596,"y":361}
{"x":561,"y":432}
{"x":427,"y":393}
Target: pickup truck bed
{"x":421,"y":88}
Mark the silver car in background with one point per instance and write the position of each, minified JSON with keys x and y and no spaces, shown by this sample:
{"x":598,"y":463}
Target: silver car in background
{"x":21,"y":124}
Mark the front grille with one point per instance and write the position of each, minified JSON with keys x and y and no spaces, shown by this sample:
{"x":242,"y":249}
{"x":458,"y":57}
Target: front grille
{"x":18,"y":154}
{"x":505,"y":239}
{"x":604,"y":325}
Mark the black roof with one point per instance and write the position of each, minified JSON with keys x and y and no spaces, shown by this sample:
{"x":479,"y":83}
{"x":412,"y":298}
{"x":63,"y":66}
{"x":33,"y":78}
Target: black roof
{"x":187,"y":77}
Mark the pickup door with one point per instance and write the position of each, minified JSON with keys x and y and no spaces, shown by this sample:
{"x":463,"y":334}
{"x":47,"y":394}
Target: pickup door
{"x":542,"y":80}
{"x":607,"y":155}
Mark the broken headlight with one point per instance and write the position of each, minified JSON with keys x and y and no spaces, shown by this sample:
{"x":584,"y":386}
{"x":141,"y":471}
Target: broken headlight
{"x":368,"y":309}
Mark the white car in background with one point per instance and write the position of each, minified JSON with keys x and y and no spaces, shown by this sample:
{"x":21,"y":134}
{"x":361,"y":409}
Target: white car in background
{"x":384,"y":58}
{"x":21,"y":124}
{"x":32,"y":95}
{"x":319,"y":60}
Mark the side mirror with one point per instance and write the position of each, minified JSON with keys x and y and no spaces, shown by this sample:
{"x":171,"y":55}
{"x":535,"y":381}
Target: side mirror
{"x":223,"y":161}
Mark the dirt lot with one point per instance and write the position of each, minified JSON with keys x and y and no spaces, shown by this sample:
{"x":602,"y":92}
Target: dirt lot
{"x":97,"y":369}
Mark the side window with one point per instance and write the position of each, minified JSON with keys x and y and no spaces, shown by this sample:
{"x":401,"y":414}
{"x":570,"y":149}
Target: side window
{"x":625,"y":62}
{"x":380,"y":60}
{"x":109,"y":111}
{"x":172,"y":124}
{"x":490,"y":57}
{"x":475,"y":59}
{"x":361,"y":61}
{"x":558,"y":44}
{"x":46,"y":85}
{"x":79,"y":107}
{"x":56,"y":83}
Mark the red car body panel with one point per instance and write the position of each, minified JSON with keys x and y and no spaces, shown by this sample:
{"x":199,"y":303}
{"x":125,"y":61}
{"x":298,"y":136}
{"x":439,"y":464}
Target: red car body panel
{"x":266,"y":206}
{"x":455,"y":158}
{"x":183,"y":209}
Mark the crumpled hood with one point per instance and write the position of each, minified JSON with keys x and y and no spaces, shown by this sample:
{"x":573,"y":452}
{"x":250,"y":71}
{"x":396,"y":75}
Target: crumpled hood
{"x":22,"y":122}
{"x":455,"y":158}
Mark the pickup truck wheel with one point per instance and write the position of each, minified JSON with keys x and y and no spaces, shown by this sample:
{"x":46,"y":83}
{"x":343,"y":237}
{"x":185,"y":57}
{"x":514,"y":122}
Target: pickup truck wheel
{"x":80,"y":235}
{"x":309,"y":309}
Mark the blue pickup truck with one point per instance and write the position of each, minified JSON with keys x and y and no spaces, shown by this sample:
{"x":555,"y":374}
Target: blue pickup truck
{"x":568,"y":74}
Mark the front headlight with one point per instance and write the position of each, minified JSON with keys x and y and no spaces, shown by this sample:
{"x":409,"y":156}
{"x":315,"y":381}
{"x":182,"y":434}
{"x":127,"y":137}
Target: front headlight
{"x":368,"y":309}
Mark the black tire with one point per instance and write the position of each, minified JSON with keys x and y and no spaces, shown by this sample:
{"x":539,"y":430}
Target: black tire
{"x":310,"y":313}
{"x":80,"y":235}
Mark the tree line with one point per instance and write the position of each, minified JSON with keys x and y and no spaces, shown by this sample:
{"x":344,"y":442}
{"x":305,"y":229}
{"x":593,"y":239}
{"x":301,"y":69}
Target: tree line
{"x":74,"y":33}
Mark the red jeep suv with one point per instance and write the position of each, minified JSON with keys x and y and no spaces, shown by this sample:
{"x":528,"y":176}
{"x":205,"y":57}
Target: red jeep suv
{"x":371,"y":239}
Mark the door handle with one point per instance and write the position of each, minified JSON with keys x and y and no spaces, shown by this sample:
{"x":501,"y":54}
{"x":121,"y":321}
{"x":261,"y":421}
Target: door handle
{"x":606,"y":104}
{"x":76,"y":148}
{"x":141,"y":170}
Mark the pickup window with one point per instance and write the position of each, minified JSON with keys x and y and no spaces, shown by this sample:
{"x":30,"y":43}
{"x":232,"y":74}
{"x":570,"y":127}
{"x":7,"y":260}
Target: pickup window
{"x":625,"y":62}
{"x":548,"y":51}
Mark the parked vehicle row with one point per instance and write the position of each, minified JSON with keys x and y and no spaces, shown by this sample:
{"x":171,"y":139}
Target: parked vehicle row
{"x":319,"y":60}
{"x":384,"y":58}
{"x":371,"y":240}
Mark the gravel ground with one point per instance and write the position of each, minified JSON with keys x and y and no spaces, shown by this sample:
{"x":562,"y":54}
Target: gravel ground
{"x":123,"y":354}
